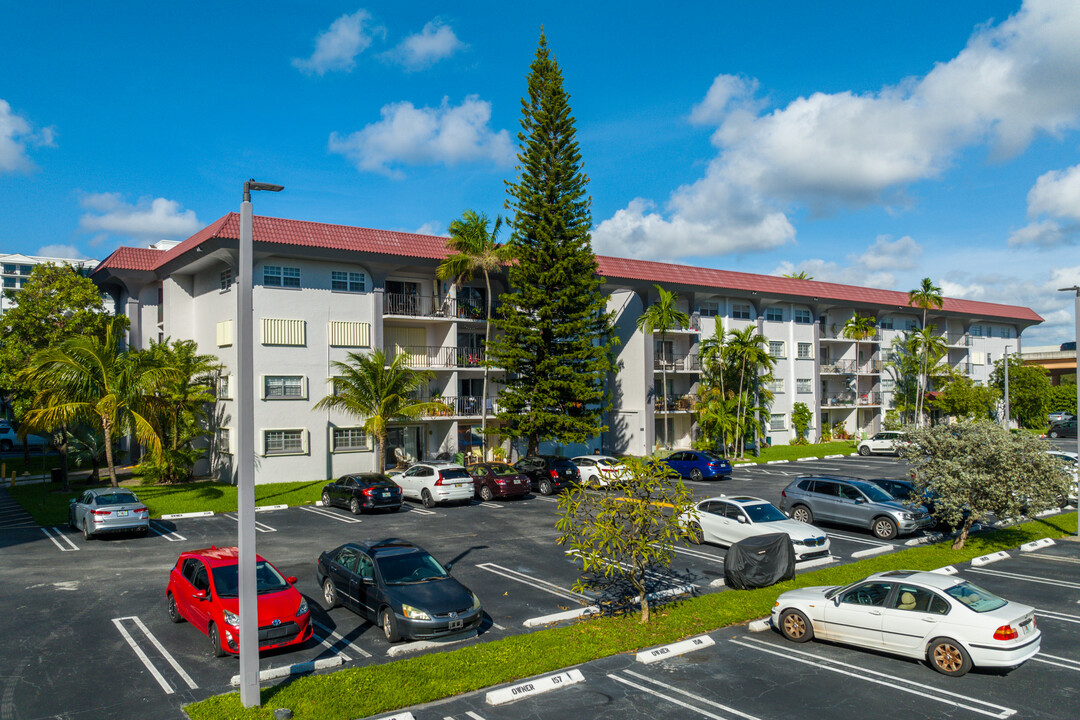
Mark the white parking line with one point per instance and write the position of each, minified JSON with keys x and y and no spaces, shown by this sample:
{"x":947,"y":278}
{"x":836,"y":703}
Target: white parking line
{"x":331,"y":515}
{"x":55,"y":534}
{"x":653,"y":575}
{"x":699,"y":554}
{"x":340,"y":640}
{"x":1051,"y":615}
{"x":534,"y":582}
{"x":496,"y":506}
{"x":170,"y":535}
{"x":926,"y":691}
{"x":676,"y":701}
{"x":1026,"y":578}
{"x":864,"y":541}
{"x":1057,"y":558}
{"x":118,"y":622}
{"x":260,"y":527}
{"x":1067,"y":663}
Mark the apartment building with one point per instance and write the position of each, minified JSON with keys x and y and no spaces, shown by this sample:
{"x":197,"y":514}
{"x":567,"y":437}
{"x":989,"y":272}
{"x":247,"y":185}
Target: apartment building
{"x":15,"y":269}
{"x":323,"y":291}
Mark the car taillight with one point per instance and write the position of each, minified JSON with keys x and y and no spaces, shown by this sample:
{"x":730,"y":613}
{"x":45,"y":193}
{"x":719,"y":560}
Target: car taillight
{"x":102,"y":512}
{"x":439,"y":481}
{"x":555,"y":474}
{"x":368,"y":491}
{"x":783,"y":493}
{"x":1006,"y":632}
{"x":140,"y":509}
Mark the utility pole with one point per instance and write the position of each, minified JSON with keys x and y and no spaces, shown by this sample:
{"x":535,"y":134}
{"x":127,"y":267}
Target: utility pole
{"x":1076,"y":316}
{"x":1006,"y":387}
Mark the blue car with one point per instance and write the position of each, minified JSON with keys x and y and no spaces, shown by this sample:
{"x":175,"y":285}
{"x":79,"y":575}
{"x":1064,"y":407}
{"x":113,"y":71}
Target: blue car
{"x":697,"y":465}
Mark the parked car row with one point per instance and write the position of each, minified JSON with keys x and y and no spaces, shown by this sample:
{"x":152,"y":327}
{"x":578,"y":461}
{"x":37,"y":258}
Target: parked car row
{"x":852,"y":501}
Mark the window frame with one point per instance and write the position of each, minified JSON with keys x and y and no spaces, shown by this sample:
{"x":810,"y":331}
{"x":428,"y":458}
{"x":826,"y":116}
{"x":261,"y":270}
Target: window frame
{"x":284,"y":276}
{"x":348,"y":281}
{"x":774,"y":314}
{"x":783,"y":349}
{"x":802,"y":316}
{"x":226,"y":280}
{"x":265,"y":387}
{"x":266,"y":452}
{"x":799,"y":351}
{"x":335,"y":448}
{"x":773,"y":419}
{"x":737,"y":310}
{"x":807,"y":383}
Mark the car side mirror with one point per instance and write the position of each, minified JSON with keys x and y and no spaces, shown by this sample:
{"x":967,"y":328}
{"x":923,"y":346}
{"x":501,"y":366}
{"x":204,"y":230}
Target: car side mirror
{"x":859,"y":501}
{"x":742,"y":519}
{"x":291,"y":580}
{"x":199,"y":595}
{"x":447,"y":566}
{"x":72,"y":501}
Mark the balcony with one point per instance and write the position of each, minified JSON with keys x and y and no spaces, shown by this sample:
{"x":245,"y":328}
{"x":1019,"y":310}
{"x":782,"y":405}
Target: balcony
{"x":674,"y":403}
{"x":870,"y":367}
{"x":870,"y":398}
{"x":958,"y":340}
{"x":437,"y":358}
{"x":965,"y":367}
{"x":684,"y":362}
{"x":836,"y":332}
{"x":460,"y":406}
{"x":842,"y":399}
{"x":838,"y":367}
{"x":426,"y":306}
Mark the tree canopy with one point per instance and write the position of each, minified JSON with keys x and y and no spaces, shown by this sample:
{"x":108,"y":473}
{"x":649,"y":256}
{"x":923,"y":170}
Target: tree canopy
{"x":1029,"y":390}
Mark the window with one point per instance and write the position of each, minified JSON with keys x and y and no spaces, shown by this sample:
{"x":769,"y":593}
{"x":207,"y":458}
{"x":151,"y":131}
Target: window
{"x":223,"y":441}
{"x":26,"y":269}
{"x":776,"y":385}
{"x":224,"y":388}
{"x":888,"y":384}
{"x":709,"y":308}
{"x":278,"y":276}
{"x":806,"y":351}
{"x":283,"y":442}
{"x":886,"y":323}
{"x":347,"y":281}
{"x":872,"y":593}
{"x":777,"y":349}
{"x":802,"y":317}
{"x":917,"y":599}
{"x":776,"y":422}
{"x":226,"y":279}
{"x":804,"y":385}
{"x":976,"y":331}
{"x":283,"y":386}
{"x":774,"y":314}
{"x":740,"y":311}
{"x":9,"y":282}
{"x":1007,"y":332}
{"x":349,"y":439}
{"x":911,"y":325}
{"x":10,"y":269}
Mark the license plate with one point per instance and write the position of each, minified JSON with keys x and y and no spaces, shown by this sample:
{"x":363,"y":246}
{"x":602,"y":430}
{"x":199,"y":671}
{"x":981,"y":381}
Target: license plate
{"x":121,"y":513}
{"x":457,"y":624}
{"x":384,"y":494}
{"x":1026,"y":627}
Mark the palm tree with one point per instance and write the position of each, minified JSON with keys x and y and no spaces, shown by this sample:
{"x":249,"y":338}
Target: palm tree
{"x":933,"y":349}
{"x":87,"y":377}
{"x":860,"y":327}
{"x":370,"y":388}
{"x":715,"y":413}
{"x":750,"y":351}
{"x":800,"y":275}
{"x":475,"y":250}
{"x":663,"y":315}
{"x":926,"y":296}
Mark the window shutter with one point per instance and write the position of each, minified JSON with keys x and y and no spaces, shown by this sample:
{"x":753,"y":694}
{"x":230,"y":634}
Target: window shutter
{"x":276,"y":331}
{"x":224,"y":333}
{"x":349,"y":334}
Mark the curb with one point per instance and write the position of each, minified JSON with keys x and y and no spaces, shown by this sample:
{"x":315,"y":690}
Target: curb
{"x":1036,"y":545}
{"x":991,"y":558}
{"x":294,"y":669}
{"x":947,"y":570}
{"x":268,"y":508}
{"x":559,"y":617}
{"x":406,"y":648}
{"x":178,"y":516}
{"x":761,"y":625}
{"x":873,"y":551}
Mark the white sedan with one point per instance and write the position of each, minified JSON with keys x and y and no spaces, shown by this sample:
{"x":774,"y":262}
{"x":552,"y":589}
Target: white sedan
{"x":1069,"y":459}
{"x":598,"y":470}
{"x":943,"y":619}
{"x":725,"y":520}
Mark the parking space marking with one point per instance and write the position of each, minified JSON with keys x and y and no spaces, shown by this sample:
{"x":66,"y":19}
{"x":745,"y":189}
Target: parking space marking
{"x":418,"y":510}
{"x":340,"y":640}
{"x":676,"y":701}
{"x":1067,"y":663}
{"x":537,"y":583}
{"x":545,"y":499}
{"x":486,"y":504}
{"x":1051,"y":615}
{"x":653,"y":575}
{"x":909,"y":686}
{"x":1026,"y":578}
{"x":170,"y":535}
{"x":56,"y":535}
{"x":699,"y":554}
{"x":1056,"y":558}
{"x":864,"y":541}
{"x":259,"y":527}
{"x":119,"y":623}
{"x":327,"y":513}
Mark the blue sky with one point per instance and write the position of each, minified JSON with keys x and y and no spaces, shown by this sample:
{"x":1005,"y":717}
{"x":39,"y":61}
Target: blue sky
{"x":867,"y":143}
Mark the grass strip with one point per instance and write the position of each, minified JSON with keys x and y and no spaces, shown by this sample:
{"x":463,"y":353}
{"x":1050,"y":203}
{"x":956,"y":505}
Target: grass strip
{"x":48,"y":503}
{"x":794,"y":452}
{"x":360,"y":692}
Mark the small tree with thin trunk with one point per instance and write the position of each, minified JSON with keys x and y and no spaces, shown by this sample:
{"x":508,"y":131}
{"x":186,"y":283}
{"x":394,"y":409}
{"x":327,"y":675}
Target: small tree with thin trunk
{"x":661,"y":316}
{"x":626,"y":531}
{"x":926,"y":296}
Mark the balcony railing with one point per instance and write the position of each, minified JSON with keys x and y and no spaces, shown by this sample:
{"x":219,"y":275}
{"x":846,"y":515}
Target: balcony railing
{"x":674,"y":403}
{"x":870,"y":367}
{"x":870,"y":398}
{"x":420,"y":356}
{"x":460,"y":406}
{"x":959,"y":340}
{"x":676,"y":363}
{"x":836,"y":332}
{"x":965,"y":367}
{"x":408,"y":305}
{"x":838,"y":367}
{"x":835,"y":399}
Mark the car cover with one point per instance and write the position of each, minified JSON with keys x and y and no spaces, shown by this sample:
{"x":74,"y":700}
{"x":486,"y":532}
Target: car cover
{"x":759,"y":561}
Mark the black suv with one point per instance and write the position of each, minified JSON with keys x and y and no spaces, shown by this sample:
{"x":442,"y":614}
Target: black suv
{"x":547,"y":473}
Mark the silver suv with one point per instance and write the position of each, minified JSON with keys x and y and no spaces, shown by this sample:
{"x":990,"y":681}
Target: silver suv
{"x":851,"y":501}
{"x":435,"y":482}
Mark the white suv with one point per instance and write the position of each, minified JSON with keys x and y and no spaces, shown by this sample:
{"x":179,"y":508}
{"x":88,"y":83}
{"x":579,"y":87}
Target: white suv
{"x":10,"y":441}
{"x":888,"y":441}
{"x":436,"y":482}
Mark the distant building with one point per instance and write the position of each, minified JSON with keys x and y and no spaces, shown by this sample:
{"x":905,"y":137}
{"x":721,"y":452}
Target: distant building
{"x":1060,"y":362}
{"x":17,"y":268}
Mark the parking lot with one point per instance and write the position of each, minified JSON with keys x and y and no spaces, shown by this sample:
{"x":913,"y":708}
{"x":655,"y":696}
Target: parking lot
{"x":88,"y":634}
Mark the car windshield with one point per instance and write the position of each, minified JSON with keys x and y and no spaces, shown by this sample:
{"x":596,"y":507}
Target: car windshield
{"x":607,"y":462}
{"x":763,"y":512}
{"x":711,"y":457}
{"x":503,"y":470}
{"x":562,"y":464}
{"x":975,"y":597}
{"x":408,"y":568}
{"x":116,"y":499}
{"x":454,"y":474}
{"x":374,"y":481}
{"x":875,"y":493}
{"x":267,"y":579}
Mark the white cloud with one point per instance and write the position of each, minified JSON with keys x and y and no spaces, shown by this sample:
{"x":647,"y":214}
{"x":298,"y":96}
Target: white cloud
{"x":69,"y":252}
{"x":16,"y":134}
{"x":336,"y":47}
{"x":148,"y":219}
{"x":433,"y":43}
{"x":873,"y":268}
{"x":408,"y":135}
{"x":430,"y":228}
{"x":1055,"y":194}
{"x":1011,"y":82}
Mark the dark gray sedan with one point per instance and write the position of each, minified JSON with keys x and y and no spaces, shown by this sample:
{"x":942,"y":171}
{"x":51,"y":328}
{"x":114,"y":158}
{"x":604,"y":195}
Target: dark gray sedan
{"x":107,"y":510}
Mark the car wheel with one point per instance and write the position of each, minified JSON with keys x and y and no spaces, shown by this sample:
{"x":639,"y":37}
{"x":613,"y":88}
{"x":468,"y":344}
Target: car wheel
{"x":5,"y":445}
{"x":1053,"y":434}
{"x":884,"y":528}
{"x":695,"y":475}
{"x":354,"y":506}
{"x":545,"y":487}
{"x":864,"y":450}
{"x":795,"y":626}
{"x":425,"y":497}
{"x":389,"y":626}
{"x":697,"y":535}
{"x":215,"y":641}
{"x":326,"y":499}
{"x":174,"y":612}
{"x":486,"y":494}
{"x":948,"y":657}
{"x":329,"y":593}
{"x":802,"y":514}
{"x":87,"y":535}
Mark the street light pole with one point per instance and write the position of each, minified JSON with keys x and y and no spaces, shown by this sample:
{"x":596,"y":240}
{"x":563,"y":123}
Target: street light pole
{"x":1076,"y":317}
{"x":1006,"y":387}
{"x":245,"y":453}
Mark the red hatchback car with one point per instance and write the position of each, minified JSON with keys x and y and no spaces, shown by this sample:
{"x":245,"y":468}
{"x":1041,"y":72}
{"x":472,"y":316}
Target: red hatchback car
{"x":203,"y":589}
{"x":494,"y":479}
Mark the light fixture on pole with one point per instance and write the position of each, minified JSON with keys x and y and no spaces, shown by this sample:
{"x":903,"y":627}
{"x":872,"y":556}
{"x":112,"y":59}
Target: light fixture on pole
{"x":245,"y":454}
{"x":1007,"y":387}
{"x":1076,"y":316}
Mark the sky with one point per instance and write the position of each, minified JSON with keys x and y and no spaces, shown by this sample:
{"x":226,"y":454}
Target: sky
{"x":862,"y":142}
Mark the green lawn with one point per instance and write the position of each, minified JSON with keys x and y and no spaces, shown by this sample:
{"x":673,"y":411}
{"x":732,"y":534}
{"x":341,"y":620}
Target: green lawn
{"x":792,"y":452}
{"x":48,"y":503}
{"x":36,"y":466}
{"x":359,"y":692}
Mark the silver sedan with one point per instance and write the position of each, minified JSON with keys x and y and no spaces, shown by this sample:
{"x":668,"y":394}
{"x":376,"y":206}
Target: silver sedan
{"x":104,"y":510}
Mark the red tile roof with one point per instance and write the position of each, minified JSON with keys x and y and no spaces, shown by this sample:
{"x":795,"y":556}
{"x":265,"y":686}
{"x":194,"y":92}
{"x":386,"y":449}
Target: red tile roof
{"x":303,"y":233}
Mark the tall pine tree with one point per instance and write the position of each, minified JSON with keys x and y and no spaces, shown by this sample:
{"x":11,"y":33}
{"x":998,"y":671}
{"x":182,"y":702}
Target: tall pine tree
{"x":554,"y":322}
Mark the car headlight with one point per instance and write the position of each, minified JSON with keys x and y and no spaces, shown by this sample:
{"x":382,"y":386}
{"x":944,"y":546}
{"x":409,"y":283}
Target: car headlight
{"x":230,"y":618}
{"x":302,"y":610}
{"x":907,"y":516}
{"x":475,"y":602}
{"x":414,"y":613}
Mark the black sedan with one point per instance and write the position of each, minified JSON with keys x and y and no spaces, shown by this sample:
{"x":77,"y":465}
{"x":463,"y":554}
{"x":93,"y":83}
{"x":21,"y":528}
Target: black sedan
{"x":367,"y":491}
{"x":399,"y":587}
{"x":547,"y":473}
